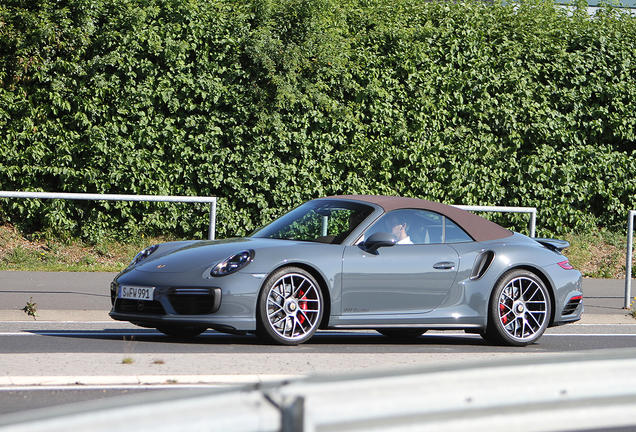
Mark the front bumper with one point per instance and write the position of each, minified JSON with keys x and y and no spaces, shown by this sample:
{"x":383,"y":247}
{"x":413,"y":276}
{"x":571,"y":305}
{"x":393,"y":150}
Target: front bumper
{"x":180,"y":306}
{"x":170,"y":300}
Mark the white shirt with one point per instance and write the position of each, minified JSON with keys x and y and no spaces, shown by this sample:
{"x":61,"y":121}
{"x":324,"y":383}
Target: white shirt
{"x":405,"y":240}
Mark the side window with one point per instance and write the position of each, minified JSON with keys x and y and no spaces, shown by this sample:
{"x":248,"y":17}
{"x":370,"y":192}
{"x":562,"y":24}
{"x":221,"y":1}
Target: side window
{"x":418,"y":227}
{"x":454,"y":234}
{"x":427,"y":228}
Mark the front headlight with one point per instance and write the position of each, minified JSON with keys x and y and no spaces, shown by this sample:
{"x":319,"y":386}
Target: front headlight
{"x":233,"y":263}
{"x":143,"y":255}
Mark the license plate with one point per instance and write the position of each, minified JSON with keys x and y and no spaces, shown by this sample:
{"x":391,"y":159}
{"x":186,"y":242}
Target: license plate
{"x":136,"y":293}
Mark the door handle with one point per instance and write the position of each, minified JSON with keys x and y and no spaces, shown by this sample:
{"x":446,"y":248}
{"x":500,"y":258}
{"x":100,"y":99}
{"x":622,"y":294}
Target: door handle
{"x":444,"y":265}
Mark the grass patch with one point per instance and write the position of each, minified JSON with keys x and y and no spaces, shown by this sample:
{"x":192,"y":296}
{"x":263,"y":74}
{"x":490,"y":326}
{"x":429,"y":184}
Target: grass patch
{"x":42,"y":252}
{"x":599,"y":254}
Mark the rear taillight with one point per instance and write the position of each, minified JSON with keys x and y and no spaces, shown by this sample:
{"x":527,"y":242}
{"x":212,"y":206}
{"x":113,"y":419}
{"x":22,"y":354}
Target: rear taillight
{"x":565,"y":265}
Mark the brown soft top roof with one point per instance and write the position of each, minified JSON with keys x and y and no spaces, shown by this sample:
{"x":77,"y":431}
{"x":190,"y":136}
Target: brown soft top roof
{"x":477,"y":227}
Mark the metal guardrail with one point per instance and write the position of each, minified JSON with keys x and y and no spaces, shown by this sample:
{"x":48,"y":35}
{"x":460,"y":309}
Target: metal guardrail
{"x":501,"y":209}
{"x":589,"y":391}
{"x":110,"y":197}
{"x":212,"y":201}
{"x":628,"y":261}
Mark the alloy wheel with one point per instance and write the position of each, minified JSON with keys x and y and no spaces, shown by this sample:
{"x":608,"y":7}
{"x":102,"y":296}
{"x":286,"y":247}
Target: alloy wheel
{"x":523,"y":308}
{"x":293,"y":307}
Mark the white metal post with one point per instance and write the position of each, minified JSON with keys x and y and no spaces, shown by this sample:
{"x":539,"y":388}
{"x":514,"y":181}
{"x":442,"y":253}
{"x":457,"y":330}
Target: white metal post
{"x":212,"y":230}
{"x":628,"y":261}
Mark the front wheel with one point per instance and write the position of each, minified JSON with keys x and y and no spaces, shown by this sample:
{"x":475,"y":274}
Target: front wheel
{"x":519,"y":309}
{"x":290,"y":306}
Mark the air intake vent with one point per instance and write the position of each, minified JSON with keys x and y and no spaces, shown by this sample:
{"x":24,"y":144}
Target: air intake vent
{"x":195,"y":301}
{"x":139,"y":306}
{"x":482,"y":264}
{"x":574,"y":303}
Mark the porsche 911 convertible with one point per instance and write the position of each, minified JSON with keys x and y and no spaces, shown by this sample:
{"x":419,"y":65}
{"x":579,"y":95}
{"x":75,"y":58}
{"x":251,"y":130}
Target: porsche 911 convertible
{"x":400,"y":266}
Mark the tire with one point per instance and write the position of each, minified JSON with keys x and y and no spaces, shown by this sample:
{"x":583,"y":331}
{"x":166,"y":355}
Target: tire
{"x":519,"y":309}
{"x":402,"y":333}
{"x":290,"y":307}
{"x":181,"y":332}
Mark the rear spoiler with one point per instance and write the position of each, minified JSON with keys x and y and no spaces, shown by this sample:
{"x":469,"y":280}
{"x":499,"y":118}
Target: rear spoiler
{"x":553,"y":244}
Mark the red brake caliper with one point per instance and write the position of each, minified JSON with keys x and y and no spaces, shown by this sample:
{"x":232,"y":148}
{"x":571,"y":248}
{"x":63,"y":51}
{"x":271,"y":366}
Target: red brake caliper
{"x":302,"y":305}
{"x":502,"y":312}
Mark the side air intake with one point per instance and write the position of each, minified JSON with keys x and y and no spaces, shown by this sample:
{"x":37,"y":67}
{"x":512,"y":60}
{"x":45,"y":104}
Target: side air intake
{"x":482,"y":264}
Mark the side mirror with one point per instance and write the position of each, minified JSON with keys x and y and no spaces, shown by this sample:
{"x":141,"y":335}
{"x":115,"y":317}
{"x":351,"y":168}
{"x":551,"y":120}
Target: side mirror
{"x":378,"y":240}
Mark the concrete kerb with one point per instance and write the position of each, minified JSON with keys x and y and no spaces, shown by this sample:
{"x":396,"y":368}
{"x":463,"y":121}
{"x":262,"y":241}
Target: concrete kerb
{"x":609,"y":319}
{"x":143,"y":380}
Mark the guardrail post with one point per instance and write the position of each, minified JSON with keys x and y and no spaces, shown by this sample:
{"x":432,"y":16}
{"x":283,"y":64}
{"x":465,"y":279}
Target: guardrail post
{"x":293,"y":416}
{"x":628,"y":261}
{"x":212,"y":230}
{"x":533,"y":222}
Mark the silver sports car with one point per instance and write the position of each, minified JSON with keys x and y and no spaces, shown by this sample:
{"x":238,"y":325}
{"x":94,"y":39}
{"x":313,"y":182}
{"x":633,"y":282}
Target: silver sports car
{"x":400,"y":266}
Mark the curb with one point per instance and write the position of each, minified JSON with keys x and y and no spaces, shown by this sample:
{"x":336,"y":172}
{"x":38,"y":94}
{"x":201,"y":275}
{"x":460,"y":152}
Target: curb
{"x":622,"y":317}
{"x":143,"y":380}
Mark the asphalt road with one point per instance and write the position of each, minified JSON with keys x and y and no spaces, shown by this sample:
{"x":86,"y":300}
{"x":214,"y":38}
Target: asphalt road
{"x":59,"y":291}
{"x":50,"y":364}
{"x":98,"y":338}
{"x":74,"y":352}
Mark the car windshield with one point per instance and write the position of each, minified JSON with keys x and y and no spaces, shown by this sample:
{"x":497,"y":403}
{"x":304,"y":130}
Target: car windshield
{"x":324,"y":221}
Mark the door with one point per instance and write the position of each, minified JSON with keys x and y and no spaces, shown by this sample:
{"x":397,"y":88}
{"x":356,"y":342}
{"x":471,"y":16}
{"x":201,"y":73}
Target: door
{"x":402,"y":279}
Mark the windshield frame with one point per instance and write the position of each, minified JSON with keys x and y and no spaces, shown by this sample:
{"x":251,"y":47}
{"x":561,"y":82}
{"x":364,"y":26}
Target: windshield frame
{"x":366,"y":212}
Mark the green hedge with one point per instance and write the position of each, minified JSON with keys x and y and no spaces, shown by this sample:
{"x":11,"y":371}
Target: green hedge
{"x":269,"y":103}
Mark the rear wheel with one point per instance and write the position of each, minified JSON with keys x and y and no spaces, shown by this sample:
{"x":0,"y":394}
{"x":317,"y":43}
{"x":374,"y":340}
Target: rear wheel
{"x":519,"y":309}
{"x":290,"y":306}
{"x":181,"y":332}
